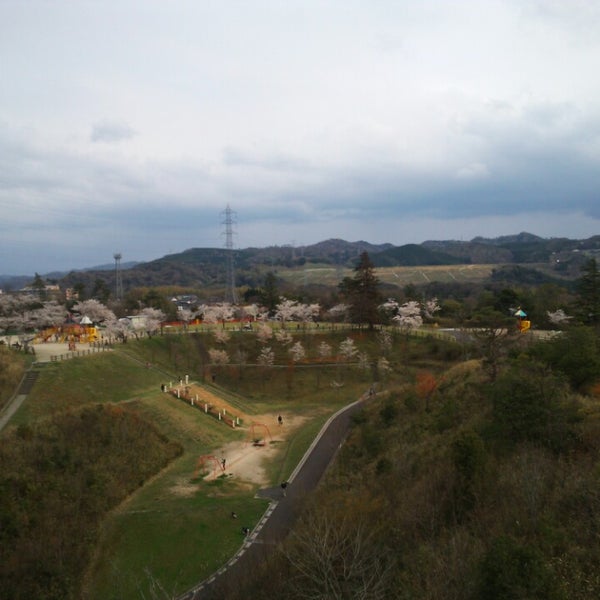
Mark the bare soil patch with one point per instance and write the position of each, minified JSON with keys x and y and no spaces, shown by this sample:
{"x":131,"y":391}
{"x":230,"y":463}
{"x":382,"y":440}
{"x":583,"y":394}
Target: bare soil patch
{"x":246,"y":461}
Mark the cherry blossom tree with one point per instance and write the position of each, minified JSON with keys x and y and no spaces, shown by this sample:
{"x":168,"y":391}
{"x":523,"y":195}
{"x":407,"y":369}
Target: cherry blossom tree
{"x":409,"y":316}
{"x":324,"y":350}
{"x":50,"y":314}
{"x":292,"y":310}
{"x":339,"y":312}
{"x":222,"y":336}
{"x":218,"y":357}
{"x":348,"y":349}
{"x":149,"y":321}
{"x":255,"y":312}
{"x":383,"y":365}
{"x":385,"y":341}
{"x":286,"y":311}
{"x":266,"y":358}
{"x":283,"y":337}
{"x":186,"y":316}
{"x":558,"y":317}
{"x":264,"y":333}
{"x":297,"y":352}
{"x":94,"y":310}
{"x":119,"y":329}
{"x":430,"y":307}
{"x":218,"y":313}
{"x":15,"y":312}
{"x":363,"y":361}
{"x":308,"y":313}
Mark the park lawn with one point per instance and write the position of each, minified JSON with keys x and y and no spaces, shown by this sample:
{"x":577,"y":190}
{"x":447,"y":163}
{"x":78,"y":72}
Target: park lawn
{"x":175,"y":539}
{"x":77,"y":382}
{"x":178,"y":530}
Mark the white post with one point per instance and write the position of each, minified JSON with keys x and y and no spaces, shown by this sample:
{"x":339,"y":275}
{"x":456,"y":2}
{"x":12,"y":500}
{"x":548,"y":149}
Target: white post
{"x":219,"y":415}
{"x":187,"y":379}
{"x":206,"y":408}
{"x":178,"y":392}
{"x":192,"y":401}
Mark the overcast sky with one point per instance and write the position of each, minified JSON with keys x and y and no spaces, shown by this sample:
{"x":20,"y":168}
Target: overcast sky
{"x":130,"y":125}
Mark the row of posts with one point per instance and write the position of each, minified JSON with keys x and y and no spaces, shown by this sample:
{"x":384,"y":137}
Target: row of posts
{"x":194,"y":401}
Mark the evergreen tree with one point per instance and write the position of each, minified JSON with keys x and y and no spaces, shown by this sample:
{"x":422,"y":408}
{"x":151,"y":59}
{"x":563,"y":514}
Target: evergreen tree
{"x":101,"y":291}
{"x":270,"y":294}
{"x":39,"y":285}
{"x":588,"y":293}
{"x":362,"y":293}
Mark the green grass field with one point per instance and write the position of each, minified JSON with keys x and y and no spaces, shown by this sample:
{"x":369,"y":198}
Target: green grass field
{"x":176,"y":529}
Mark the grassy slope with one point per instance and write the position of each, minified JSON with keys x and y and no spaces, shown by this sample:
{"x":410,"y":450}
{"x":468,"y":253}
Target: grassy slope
{"x":12,"y":368}
{"x":176,"y":530}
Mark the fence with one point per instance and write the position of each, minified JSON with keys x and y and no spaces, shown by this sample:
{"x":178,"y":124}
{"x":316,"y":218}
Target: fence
{"x":93,"y":349}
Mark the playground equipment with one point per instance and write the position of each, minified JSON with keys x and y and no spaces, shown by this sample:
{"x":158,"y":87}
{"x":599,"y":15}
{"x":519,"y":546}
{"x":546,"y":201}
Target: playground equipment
{"x":208,"y":459}
{"x":258,"y":439}
{"x":523,"y":324}
{"x":70,"y":332}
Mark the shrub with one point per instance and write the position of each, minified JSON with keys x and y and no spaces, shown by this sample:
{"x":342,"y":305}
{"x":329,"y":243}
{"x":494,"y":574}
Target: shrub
{"x":510,"y":571}
{"x":531,"y":404}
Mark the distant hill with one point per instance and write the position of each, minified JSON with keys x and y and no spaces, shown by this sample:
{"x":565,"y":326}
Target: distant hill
{"x":206,"y":267}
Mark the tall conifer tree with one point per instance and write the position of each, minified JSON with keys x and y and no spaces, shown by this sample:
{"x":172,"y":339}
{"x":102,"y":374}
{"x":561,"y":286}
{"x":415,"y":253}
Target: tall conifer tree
{"x":588,"y":293}
{"x":362,"y":293}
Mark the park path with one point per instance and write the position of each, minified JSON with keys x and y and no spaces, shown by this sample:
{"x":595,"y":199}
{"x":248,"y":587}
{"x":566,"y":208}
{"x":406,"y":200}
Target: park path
{"x":283,"y":510}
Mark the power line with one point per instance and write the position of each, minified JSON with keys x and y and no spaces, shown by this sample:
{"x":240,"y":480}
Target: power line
{"x":229,"y":221}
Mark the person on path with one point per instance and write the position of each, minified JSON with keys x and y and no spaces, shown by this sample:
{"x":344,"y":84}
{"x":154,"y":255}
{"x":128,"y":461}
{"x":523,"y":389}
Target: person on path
{"x":280,"y":420}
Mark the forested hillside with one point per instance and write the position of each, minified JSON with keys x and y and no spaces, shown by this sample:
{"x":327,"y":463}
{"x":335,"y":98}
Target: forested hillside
{"x":58,"y":479}
{"x":202,"y":267}
{"x":461,"y":485}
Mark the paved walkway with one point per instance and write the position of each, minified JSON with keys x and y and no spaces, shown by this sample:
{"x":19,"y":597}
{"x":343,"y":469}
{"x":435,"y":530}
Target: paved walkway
{"x":282,"y":512}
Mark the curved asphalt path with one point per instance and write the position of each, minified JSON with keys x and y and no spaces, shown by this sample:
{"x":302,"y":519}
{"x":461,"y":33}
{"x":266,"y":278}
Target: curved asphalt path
{"x":283,"y":510}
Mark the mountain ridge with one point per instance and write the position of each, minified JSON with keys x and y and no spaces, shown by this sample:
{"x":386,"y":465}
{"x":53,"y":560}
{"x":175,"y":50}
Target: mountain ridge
{"x":208,"y":266}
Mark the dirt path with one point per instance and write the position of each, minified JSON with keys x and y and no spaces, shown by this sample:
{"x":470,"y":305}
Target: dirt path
{"x":245,"y":460}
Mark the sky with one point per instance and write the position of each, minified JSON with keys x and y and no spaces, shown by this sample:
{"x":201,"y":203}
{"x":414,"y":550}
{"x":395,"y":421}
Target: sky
{"x":131,"y":125}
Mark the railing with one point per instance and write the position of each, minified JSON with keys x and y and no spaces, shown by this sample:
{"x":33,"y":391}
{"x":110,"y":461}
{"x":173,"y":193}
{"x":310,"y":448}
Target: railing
{"x":94,"y":349}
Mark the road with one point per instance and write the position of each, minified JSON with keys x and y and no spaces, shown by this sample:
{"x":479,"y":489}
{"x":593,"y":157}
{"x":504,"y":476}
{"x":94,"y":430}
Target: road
{"x":283,"y":510}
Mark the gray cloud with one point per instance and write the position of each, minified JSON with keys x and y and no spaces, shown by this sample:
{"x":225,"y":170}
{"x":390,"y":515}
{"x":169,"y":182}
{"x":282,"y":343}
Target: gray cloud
{"x":388,"y":123}
{"x":111,"y":132}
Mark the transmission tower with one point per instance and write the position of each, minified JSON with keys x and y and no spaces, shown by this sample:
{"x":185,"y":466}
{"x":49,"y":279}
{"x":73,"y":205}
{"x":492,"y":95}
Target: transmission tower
{"x":118,"y":278}
{"x":228,"y":221}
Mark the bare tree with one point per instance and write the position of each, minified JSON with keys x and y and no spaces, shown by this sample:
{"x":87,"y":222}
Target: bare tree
{"x":338,"y":557}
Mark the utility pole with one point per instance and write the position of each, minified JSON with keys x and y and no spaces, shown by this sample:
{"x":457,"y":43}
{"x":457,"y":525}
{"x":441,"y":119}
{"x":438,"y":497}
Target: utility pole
{"x":118,"y":279}
{"x":229,"y":219}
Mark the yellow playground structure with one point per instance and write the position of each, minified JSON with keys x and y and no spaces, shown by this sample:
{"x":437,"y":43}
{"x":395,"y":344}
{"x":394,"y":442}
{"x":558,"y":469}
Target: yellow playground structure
{"x":524,"y":324}
{"x":71,"y":332}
